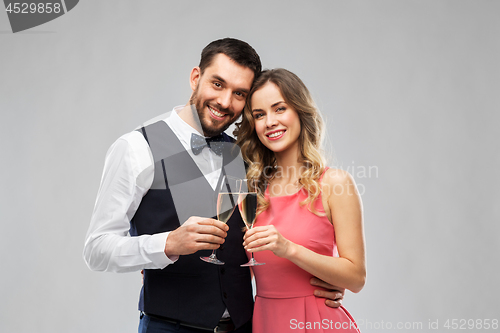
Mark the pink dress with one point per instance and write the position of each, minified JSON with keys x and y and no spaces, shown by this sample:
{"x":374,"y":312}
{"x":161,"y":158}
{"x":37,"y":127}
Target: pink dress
{"x":285,"y":300}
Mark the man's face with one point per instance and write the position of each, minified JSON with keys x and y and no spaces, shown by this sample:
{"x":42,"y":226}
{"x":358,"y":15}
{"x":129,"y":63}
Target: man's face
{"x":220,"y":93}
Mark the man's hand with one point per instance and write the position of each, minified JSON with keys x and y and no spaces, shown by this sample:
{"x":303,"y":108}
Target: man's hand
{"x":197,"y":233}
{"x":334,"y":295}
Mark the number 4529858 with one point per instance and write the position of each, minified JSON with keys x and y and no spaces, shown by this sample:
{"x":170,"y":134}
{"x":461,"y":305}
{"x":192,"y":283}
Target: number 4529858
{"x":31,"y":8}
{"x":478,"y":324}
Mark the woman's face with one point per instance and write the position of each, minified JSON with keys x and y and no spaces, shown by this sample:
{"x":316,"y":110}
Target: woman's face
{"x":277,"y":124}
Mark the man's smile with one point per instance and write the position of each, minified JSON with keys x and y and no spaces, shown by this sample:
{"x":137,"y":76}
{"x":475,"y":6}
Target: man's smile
{"x":216,"y":113}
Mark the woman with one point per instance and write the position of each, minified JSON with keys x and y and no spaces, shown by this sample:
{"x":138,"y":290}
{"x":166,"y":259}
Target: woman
{"x":310,"y":216}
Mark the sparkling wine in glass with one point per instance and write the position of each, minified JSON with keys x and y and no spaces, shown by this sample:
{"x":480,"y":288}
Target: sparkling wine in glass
{"x":247,"y":204}
{"x":227,"y":199}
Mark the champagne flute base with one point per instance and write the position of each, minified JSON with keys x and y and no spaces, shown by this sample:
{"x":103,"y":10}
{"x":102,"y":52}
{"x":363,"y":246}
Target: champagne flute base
{"x":212,"y":259}
{"x":253,"y":262}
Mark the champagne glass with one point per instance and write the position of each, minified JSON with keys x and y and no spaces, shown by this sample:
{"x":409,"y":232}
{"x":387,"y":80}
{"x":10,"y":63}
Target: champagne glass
{"x":247,"y":204}
{"x":227,"y":199}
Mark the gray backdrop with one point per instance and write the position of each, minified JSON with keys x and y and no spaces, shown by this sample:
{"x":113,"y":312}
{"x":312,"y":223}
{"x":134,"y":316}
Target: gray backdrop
{"x":410,"y":90}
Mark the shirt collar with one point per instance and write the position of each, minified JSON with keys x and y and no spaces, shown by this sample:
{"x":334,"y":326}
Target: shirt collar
{"x":182,"y":129}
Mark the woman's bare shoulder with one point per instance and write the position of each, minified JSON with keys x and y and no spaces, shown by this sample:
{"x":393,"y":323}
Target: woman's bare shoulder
{"x":335,"y":177}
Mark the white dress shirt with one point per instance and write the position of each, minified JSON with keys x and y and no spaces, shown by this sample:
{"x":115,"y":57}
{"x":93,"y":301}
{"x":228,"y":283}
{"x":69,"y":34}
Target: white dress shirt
{"x":127,"y":176}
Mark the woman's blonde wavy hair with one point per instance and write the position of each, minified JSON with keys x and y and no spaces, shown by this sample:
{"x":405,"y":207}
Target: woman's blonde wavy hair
{"x":261,"y":161}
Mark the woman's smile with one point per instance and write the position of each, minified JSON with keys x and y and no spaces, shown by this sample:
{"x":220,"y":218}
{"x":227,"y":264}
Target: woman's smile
{"x":276,"y":135}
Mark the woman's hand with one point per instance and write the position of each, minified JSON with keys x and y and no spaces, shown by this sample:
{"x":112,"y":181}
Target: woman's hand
{"x":267,"y":238}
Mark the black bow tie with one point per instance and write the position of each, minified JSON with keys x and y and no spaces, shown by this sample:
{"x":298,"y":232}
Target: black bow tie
{"x":198,"y":143}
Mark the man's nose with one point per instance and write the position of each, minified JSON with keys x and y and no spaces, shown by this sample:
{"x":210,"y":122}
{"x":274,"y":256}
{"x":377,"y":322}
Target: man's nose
{"x":224,"y":99}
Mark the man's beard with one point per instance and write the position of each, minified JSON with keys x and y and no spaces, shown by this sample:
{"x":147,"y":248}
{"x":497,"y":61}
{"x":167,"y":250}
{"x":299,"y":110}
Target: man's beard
{"x":209,"y":130}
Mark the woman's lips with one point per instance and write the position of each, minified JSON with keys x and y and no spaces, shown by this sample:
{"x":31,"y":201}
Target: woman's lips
{"x":276,"y":135}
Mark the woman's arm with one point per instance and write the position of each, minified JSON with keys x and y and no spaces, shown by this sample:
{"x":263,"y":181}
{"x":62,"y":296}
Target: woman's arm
{"x":345,"y":211}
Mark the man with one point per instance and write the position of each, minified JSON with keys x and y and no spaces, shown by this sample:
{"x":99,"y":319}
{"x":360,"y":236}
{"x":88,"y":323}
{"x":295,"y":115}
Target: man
{"x":158,"y":181}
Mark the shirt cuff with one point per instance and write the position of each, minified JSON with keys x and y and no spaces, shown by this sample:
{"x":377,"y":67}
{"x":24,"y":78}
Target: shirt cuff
{"x":157,"y":250}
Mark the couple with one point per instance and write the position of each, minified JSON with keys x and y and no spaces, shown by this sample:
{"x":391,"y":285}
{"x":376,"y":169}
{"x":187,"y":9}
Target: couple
{"x":158,"y":181}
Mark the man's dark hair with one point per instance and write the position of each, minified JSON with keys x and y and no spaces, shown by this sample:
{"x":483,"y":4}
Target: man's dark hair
{"x":239,"y":51}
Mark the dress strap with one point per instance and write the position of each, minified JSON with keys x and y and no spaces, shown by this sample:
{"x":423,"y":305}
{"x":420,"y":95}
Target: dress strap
{"x":324,"y":171}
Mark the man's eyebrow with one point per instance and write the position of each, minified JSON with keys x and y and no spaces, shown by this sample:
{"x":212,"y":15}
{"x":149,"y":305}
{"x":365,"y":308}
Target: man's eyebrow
{"x":218,"y":78}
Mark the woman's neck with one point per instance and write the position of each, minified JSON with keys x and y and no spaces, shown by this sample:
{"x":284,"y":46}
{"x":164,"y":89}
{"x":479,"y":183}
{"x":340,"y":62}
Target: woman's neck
{"x":288,"y":167}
